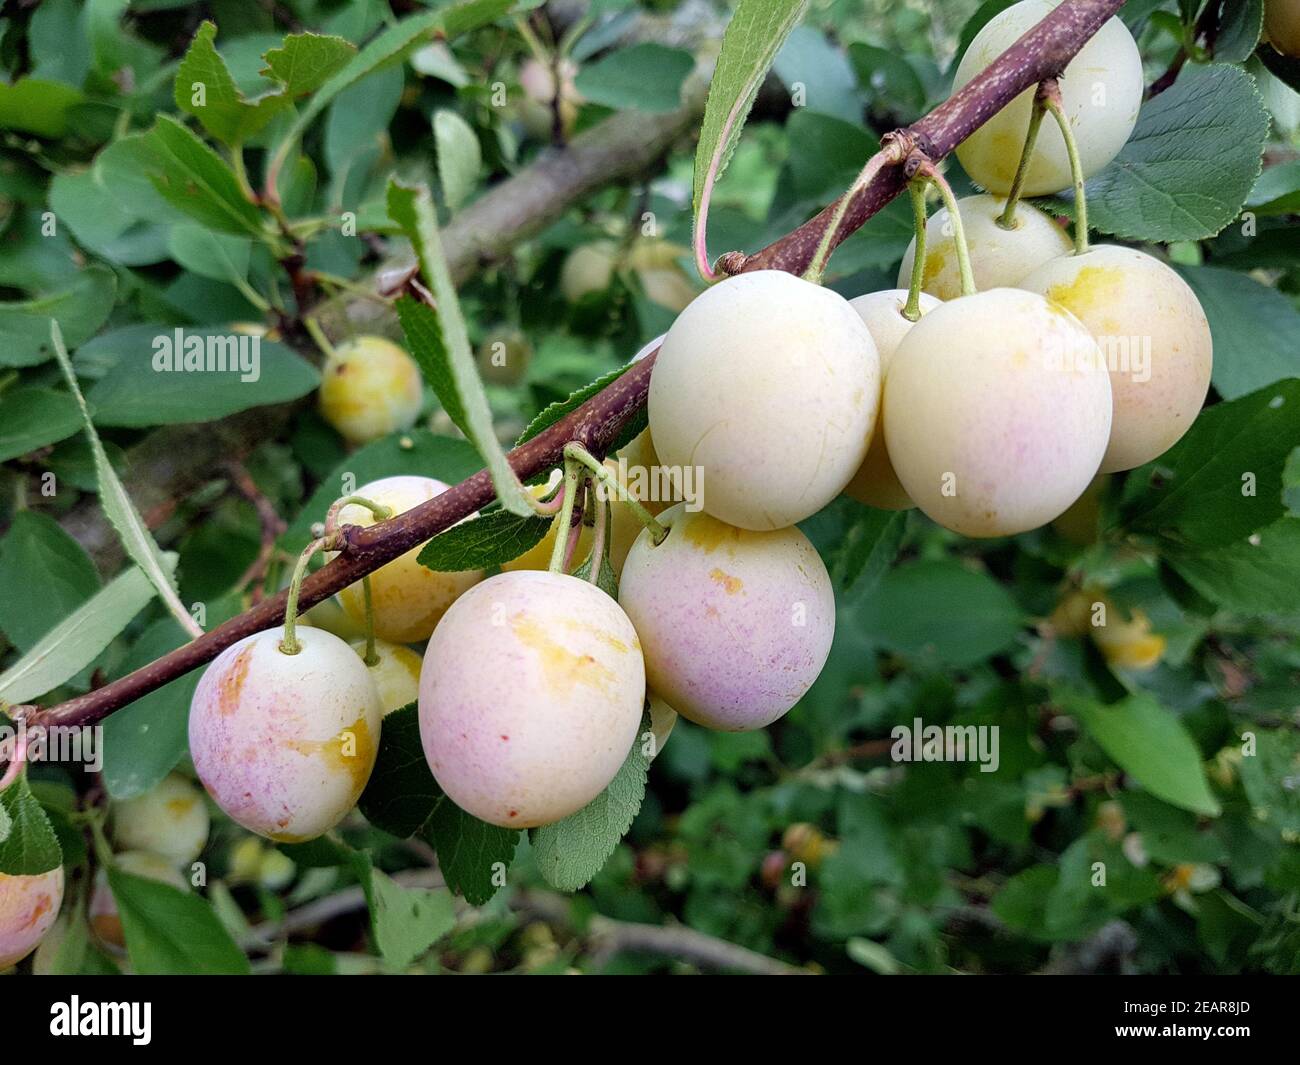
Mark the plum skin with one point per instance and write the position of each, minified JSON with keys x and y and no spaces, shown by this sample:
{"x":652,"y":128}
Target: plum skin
{"x":283,"y":743}
{"x":735,"y":625}
{"x":989,"y":431}
{"x":169,"y":820}
{"x":29,"y":906}
{"x":369,"y":388}
{"x":396,"y":674}
{"x":530,"y":697}
{"x":770,"y":386}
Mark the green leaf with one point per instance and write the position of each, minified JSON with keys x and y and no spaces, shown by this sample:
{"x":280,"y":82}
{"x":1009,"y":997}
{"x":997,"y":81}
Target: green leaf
{"x":1269,"y":775}
{"x":1256,"y":329}
{"x":223,"y":111}
{"x":307,"y":60}
{"x":169,"y":174}
{"x":470,"y":851}
{"x":1151,"y":745}
{"x":822,"y":74}
{"x":1239,"y":31}
{"x":219,"y":256}
{"x":1223,"y":480}
{"x":459,"y":157}
{"x":486,"y":541}
{"x":44,"y":575}
{"x":439,"y":342}
{"x":1190,"y":164}
{"x":1277,"y":192}
{"x":870,"y":547}
{"x":1259,"y":575}
{"x":1291,"y":484}
{"x":80,"y":309}
{"x":570,"y":852}
{"x":28,"y":845}
{"x":407,"y":921}
{"x":942,"y":611}
{"x":607,"y":581}
{"x":645,"y":77}
{"x":170,"y":932}
{"x":77,"y":641}
{"x":557,"y":410}
{"x":32,"y":418}
{"x":103,"y":220}
{"x":136,"y":539}
{"x":31,"y":105}
{"x":134,"y":393}
{"x":752,"y":39}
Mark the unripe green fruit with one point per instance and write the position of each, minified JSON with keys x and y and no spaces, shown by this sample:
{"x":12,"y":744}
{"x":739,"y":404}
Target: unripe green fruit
{"x":588,"y":269}
{"x":29,"y":906}
{"x":1155,"y":338}
{"x":396,"y":674}
{"x":876,"y":484}
{"x":408,"y":598}
{"x":285,"y":743}
{"x":735,"y":625}
{"x":370,"y":388}
{"x":105,"y":920}
{"x":770,"y":386}
{"x":530,"y":697}
{"x":999,"y":257}
{"x":1101,"y":91}
{"x":999,"y":412}
{"x":1282,"y":26}
{"x":503,"y":356}
{"x":169,"y":820}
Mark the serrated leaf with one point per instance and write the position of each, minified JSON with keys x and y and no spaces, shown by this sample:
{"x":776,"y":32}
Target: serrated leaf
{"x":486,"y":541}
{"x":1268,"y":775}
{"x":607,"y":581}
{"x":643,"y":77}
{"x":80,"y":309}
{"x":1151,"y":745}
{"x":1190,"y":164}
{"x":1239,"y":31}
{"x":469,"y":850}
{"x":223,"y":110}
{"x":29,"y":846}
{"x":32,"y":418}
{"x":557,"y":410}
{"x":459,"y":157}
{"x":136,"y":539}
{"x":440,"y":342}
{"x":870,"y":548}
{"x":570,"y":852}
{"x":44,"y":575}
{"x":307,"y":60}
{"x":1259,"y":575}
{"x":170,"y":932}
{"x":407,"y":921}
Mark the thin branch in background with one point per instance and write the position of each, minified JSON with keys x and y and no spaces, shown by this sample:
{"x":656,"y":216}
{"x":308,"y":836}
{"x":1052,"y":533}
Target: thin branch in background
{"x":272,"y":526}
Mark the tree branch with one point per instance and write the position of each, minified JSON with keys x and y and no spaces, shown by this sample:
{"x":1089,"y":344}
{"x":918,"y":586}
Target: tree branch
{"x":1041,"y":53}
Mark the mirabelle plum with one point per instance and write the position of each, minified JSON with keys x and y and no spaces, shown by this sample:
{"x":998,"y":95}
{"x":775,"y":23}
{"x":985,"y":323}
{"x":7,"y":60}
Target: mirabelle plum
{"x":1101,"y":90}
{"x":588,"y":269}
{"x":29,"y":906}
{"x":396,"y":674}
{"x":503,"y":356}
{"x":999,"y":412}
{"x":769,"y":385}
{"x":1282,"y":26}
{"x":285,"y":743}
{"x":105,"y":920}
{"x":735,"y":624}
{"x":530,"y":697}
{"x":169,"y":820}
{"x":1153,"y":335}
{"x":370,"y":388}
{"x":876,"y":484}
{"x":537,"y":80}
{"x":998,"y":257}
{"x":408,"y":598}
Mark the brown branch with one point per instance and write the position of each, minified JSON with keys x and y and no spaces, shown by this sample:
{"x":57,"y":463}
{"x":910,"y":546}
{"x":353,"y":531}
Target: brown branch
{"x":270,"y":522}
{"x":1041,"y":53}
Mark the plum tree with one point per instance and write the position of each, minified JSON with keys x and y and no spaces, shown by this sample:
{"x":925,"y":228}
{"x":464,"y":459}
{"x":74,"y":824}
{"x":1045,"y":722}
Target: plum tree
{"x":530,"y":697}
{"x":170,"y":820}
{"x":1101,"y":92}
{"x":284,"y":743}
{"x":999,"y":412}
{"x":1282,"y":25}
{"x":735,"y":625}
{"x":770,"y":386}
{"x":29,"y":906}
{"x":396,"y":674}
{"x":369,"y":388}
{"x":999,"y":256}
{"x":105,"y":919}
{"x":876,"y":484}
{"x":408,"y":599}
{"x":1153,"y":335}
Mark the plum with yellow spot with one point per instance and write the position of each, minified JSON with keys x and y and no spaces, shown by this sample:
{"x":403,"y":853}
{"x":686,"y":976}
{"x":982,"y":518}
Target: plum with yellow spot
{"x":408,"y":598}
{"x":999,"y":412}
{"x":769,"y":385}
{"x":29,"y":906}
{"x":999,"y":257}
{"x":876,"y":484}
{"x":284,"y":743}
{"x":530,"y":697}
{"x":369,"y":388}
{"x":1154,"y":336}
{"x":1101,"y":92}
{"x":735,"y":624}
{"x":104,"y":917}
{"x":396,"y":673}
{"x":170,"y":819}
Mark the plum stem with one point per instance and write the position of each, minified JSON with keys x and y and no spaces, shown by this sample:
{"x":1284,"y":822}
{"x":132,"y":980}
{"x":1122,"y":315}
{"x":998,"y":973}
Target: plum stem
{"x":1052,"y":97}
{"x":1007,"y":219}
{"x":290,"y":644}
{"x":612,"y":484}
{"x":377,"y":510}
{"x":598,"y":539}
{"x":370,"y":657}
{"x":572,"y":478}
{"x":912,"y":311}
{"x":930,"y":172}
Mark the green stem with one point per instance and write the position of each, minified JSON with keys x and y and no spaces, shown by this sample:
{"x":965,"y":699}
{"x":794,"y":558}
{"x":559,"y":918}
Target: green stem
{"x":572,"y":479}
{"x":817,"y":267}
{"x":377,"y":511}
{"x":931,"y":173}
{"x":598,"y":541}
{"x":578,"y":453}
{"x":318,"y":334}
{"x":1007,"y":219}
{"x":1076,"y":171}
{"x":290,"y":645}
{"x":370,"y":658}
{"x":912,"y":312}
